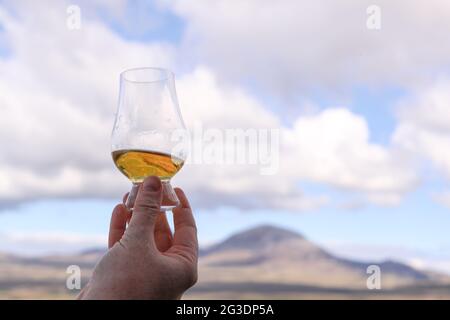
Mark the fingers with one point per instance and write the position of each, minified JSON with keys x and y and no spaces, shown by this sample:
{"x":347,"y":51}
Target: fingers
{"x":118,"y":224}
{"x":185,"y":235}
{"x":146,"y":209}
{"x":163,"y":234}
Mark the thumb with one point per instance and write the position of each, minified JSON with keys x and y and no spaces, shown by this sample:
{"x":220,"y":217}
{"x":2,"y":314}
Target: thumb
{"x":146,"y":209}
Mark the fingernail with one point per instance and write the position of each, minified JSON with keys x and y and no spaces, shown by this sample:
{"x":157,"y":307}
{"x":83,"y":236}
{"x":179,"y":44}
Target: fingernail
{"x":152,"y":184}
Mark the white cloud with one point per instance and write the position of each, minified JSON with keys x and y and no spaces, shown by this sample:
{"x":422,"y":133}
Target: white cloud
{"x":442,"y":198}
{"x":292,"y":46}
{"x":423,"y":130}
{"x":424,"y":125}
{"x":59,"y":91}
{"x":436,"y":264}
{"x":59,"y":94}
{"x":220,"y":106}
{"x":44,"y":243}
{"x":333,"y":147}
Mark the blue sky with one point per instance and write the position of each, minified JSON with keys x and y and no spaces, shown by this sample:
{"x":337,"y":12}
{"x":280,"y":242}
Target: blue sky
{"x":381,"y":192}
{"x":417,"y":225}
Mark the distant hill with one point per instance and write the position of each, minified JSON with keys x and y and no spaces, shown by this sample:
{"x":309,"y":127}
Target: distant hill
{"x":280,"y":255}
{"x":268,"y":261}
{"x":254,"y":238}
{"x":272,"y":244}
{"x":262,"y":262}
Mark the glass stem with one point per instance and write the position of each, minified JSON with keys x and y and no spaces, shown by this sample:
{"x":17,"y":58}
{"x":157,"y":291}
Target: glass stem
{"x":169,"y":198}
{"x":132,"y":196}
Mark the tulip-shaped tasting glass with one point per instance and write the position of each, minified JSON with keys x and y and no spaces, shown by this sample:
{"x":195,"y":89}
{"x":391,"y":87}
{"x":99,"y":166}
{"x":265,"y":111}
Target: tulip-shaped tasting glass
{"x":142,"y":141}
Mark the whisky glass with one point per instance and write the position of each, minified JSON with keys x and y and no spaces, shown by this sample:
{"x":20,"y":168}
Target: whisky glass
{"x":149,"y":137}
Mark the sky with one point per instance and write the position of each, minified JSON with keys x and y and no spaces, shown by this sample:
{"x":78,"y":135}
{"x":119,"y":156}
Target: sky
{"x":362,"y":108}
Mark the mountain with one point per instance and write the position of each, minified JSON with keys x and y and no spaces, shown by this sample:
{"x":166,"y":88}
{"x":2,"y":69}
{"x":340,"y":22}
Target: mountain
{"x":272,"y":245}
{"x":273,"y":257}
{"x":263,"y":262}
{"x":255,"y":238}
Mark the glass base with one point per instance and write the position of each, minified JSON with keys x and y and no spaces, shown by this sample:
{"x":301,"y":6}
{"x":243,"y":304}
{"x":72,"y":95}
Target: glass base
{"x":169,"y":197}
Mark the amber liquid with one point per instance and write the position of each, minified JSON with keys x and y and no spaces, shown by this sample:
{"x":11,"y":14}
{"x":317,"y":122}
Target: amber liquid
{"x":139,"y":164}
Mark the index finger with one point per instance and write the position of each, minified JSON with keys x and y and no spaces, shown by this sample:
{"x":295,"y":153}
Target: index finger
{"x":185,"y":235}
{"x":118,"y":224}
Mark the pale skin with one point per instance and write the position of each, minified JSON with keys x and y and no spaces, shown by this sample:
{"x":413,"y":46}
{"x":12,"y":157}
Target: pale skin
{"x":144,"y":260}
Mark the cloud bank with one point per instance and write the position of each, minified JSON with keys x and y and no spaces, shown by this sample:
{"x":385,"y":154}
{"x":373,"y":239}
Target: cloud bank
{"x":59,"y":93}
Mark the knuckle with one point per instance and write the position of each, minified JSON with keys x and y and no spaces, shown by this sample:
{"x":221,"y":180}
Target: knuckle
{"x":147,"y":204}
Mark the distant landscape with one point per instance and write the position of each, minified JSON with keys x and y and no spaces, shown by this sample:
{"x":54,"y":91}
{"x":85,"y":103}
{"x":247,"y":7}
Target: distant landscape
{"x":265,"y":262}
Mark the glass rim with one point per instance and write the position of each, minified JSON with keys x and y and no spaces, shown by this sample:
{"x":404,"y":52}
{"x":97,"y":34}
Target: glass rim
{"x":165,"y":73}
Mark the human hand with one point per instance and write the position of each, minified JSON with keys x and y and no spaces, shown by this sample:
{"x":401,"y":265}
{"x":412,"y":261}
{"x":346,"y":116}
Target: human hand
{"x":144,"y":260}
